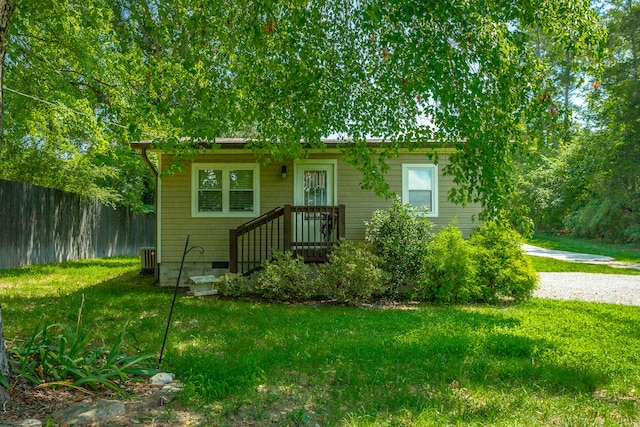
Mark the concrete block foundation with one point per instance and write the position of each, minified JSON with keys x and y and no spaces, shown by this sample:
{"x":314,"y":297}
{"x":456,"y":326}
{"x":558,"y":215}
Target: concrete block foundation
{"x":169,"y":272}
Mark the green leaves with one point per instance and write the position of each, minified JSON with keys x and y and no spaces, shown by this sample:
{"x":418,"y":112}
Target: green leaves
{"x":56,"y":355}
{"x":400,"y":237}
{"x":278,"y":73}
{"x":284,"y":278}
{"x":352,"y":274}
{"x":588,"y":186}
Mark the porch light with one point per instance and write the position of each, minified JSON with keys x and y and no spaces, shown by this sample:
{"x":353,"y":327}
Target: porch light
{"x":283,"y":172}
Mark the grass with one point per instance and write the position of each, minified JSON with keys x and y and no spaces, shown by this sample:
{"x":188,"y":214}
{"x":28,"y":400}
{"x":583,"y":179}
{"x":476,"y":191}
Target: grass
{"x":538,"y":363}
{"x":621,"y":252}
{"x":542,"y":264}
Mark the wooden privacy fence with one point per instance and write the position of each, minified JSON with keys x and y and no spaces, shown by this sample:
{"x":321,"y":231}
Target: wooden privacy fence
{"x":41,"y":225}
{"x":308,"y":231}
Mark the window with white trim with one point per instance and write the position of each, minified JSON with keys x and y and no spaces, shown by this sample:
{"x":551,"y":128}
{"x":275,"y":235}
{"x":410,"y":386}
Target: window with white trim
{"x":225,"y":190}
{"x":420,"y":187}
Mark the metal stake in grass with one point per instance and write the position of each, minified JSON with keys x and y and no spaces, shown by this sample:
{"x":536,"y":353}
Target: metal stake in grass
{"x":187,"y":249}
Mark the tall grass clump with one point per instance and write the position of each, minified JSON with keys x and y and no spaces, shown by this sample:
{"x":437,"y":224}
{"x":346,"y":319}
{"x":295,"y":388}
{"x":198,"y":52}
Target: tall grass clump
{"x":59,"y":355}
{"x":400,"y":237}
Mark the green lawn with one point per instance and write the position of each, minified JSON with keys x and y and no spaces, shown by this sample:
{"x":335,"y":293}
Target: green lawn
{"x":542,"y":264}
{"x":537,"y":363}
{"x":621,"y":252}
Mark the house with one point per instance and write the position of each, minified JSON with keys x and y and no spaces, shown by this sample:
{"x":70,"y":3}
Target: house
{"x":239,"y":209}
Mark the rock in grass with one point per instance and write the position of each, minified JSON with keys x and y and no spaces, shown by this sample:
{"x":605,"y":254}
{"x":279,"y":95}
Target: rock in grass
{"x":23,"y":423}
{"x":89,"y":412}
{"x":161,"y":379}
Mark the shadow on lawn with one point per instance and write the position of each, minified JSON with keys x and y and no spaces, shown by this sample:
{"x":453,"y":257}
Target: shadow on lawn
{"x":344,"y":359}
{"x":126,"y":300}
{"x":370,"y":360}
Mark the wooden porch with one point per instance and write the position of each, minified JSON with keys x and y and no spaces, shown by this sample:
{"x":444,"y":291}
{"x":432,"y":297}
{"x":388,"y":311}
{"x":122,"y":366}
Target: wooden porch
{"x":308,"y":231}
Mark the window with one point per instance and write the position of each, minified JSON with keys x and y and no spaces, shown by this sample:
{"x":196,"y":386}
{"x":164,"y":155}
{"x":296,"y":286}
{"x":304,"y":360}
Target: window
{"x":420,"y":187}
{"x":225,"y":190}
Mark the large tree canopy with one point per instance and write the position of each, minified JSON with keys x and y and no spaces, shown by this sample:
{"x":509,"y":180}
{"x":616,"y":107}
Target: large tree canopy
{"x":459,"y":73}
{"x":66,"y":89}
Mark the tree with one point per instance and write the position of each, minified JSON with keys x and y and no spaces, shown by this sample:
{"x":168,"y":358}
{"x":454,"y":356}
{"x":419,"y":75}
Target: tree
{"x":590,"y":186}
{"x":6,"y":11}
{"x":613,"y":210}
{"x":566,"y":74}
{"x":292,"y":72}
{"x":5,"y":367}
{"x":179,"y":71}
{"x":66,"y":87}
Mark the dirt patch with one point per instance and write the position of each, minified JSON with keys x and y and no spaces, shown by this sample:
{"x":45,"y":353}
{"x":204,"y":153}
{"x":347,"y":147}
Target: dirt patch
{"x":145,"y":404}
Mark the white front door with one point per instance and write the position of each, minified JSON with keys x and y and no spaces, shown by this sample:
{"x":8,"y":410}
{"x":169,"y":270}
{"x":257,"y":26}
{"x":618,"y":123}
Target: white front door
{"x":314,"y":185}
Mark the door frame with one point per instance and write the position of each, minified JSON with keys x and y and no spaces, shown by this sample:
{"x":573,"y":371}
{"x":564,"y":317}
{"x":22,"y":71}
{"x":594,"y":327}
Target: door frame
{"x":300,"y":165}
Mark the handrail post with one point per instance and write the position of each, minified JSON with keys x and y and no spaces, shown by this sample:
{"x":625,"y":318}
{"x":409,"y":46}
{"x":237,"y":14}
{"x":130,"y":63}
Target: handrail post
{"x":288,"y":227}
{"x":233,"y":251}
{"x":341,"y":222}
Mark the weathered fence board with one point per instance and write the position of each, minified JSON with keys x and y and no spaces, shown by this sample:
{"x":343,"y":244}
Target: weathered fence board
{"x":39,"y":225}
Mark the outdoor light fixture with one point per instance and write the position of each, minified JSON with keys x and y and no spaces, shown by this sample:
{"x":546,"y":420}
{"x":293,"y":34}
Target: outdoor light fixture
{"x":283,"y":172}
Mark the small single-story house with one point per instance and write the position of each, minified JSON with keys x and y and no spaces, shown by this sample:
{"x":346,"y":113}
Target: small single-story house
{"x":240,"y":209}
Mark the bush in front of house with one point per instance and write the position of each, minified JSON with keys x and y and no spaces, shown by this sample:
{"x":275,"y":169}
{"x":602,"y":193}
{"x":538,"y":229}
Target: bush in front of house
{"x":503,"y":268}
{"x":444,"y":269}
{"x":284,"y":278}
{"x":400,"y":237}
{"x":352,"y":274}
{"x":233,"y":285}
{"x":449,"y":270}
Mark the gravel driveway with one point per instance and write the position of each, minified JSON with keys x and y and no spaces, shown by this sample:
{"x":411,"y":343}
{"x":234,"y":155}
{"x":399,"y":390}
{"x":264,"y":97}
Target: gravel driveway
{"x":609,"y":288}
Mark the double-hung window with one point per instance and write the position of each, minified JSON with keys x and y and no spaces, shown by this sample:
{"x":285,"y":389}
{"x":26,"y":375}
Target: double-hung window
{"x":420,"y":187}
{"x":225,"y":190}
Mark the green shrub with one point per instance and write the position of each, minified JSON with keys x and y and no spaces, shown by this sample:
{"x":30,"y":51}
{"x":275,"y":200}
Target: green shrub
{"x":284,"y":278}
{"x":232,"y":285}
{"x":57,"y":355}
{"x":352,"y":273}
{"x":503,"y":268}
{"x":449,"y":270}
{"x":400,"y":237}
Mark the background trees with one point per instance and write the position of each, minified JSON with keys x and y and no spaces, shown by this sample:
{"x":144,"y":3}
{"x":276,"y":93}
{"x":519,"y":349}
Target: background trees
{"x":590,"y":185}
{"x":65,"y":98}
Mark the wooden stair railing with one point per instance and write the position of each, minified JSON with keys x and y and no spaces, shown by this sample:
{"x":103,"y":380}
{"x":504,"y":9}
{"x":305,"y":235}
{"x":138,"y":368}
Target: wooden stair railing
{"x":308,"y":231}
{"x":246,"y":243}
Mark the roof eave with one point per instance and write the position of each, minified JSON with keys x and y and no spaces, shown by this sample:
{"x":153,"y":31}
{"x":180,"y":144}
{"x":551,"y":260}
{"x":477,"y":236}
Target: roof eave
{"x":241,"y":143}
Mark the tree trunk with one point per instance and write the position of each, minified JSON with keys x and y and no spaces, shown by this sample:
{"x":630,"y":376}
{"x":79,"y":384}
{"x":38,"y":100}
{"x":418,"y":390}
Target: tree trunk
{"x":6,"y":10}
{"x":5,"y":367}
